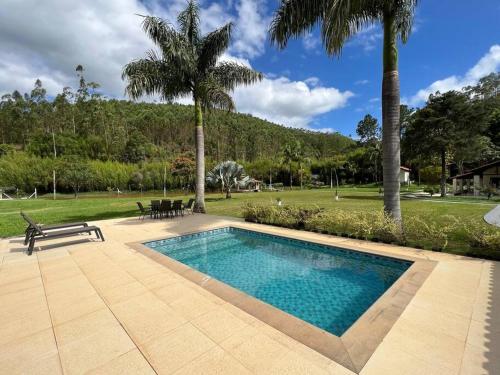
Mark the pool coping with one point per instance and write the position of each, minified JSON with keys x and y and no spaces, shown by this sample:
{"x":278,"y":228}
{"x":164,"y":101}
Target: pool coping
{"x":353,"y":349}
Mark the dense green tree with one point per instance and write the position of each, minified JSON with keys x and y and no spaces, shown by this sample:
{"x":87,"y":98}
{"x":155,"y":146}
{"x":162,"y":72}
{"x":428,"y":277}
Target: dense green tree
{"x":340,"y":20}
{"x":443,"y":127}
{"x":368,"y":130}
{"x":188,"y":65}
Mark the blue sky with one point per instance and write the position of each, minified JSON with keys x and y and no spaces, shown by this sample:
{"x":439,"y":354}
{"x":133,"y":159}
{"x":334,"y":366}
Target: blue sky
{"x":449,"y":39}
{"x":454,"y":43}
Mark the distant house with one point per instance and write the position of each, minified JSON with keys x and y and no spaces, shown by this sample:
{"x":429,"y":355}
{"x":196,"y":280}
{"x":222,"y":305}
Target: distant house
{"x":249,"y":184}
{"x":477,"y":179}
{"x":404,"y":175}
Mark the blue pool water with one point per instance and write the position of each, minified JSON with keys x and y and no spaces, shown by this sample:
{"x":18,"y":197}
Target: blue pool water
{"x":323,"y":285}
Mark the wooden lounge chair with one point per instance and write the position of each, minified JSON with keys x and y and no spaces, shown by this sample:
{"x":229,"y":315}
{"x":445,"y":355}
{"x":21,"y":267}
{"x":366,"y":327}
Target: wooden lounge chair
{"x":30,"y":230}
{"x":40,"y":234}
{"x":144,"y":211}
{"x":189,"y":205}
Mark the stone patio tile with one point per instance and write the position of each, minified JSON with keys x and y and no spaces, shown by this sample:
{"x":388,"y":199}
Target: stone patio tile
{"x":450,"y":302}
{"x":253,"y":349}
{"x":16,"y":286}
{"x":177,"y":348}
{"x":440,"y":350}
{"x":436,"y":320}
{"x":160,"y":280}
{"x":27,"y":324}
{"x":93,"y":351}
{"x":30,"y":355}
{"x":214,"y":362}
{"x":10,"y":301}
{"x":72,"y":307}
{"x":10,"y":274}
{"x":477,"y":361}
{"x":142,"y":268}
{"x":74,"y":285}
{"x":61,"y":273}
{"x":219,"y":324}
{"x":146,"y":317}
{"x":484,"y":336}
{"x":132,"y":362}
{"x":111,"y":281}
{"x":291,"y":363}
{"x":192,"y":304}
{"x":84,"y":326}
{"x":173,"y":292}
{"x":390,"y":360}
{"x":122,"y":292}
{"x":91,"y":341}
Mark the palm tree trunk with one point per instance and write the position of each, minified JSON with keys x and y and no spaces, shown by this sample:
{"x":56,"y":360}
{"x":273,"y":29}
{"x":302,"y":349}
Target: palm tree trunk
{"x":443,"y":172}
{"x":291,"y":177}
{"x":200,"y":159}
{"x":390,"y":121}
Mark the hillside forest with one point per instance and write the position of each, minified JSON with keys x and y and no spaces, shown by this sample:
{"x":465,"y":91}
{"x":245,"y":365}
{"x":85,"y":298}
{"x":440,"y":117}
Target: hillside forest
{"x":94,"y":143}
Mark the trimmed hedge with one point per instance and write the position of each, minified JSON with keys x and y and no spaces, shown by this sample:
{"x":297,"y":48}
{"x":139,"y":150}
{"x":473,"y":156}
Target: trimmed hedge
{"x":419,"y":232}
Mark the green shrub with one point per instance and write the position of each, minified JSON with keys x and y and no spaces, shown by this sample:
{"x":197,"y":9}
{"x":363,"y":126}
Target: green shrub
{"x":419,"y":231}
{"x":385,"y":228}
{"x":286,"y":216}
{"x":483,"y":239}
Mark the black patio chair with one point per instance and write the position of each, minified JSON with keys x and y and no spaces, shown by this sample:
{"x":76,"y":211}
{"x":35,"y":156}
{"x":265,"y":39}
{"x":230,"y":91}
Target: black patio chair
{"x":40,"y":234}
{"x":155,"y":209}
{"x":144,"y":211}
{"x":189,"y":206}
{"x":178,"y":208}
{"x":165,"y":208}
{"x":30,"y":229}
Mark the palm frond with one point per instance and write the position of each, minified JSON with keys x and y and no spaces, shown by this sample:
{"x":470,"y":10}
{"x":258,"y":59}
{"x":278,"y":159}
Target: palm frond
{"x":230,"y":74}
{"x":405,"y":13}
{"x":158,"y":30}
{"x":213,"y":95}
{"x":152,"y":77}
{"x":295,"y":18}
{"x":213,"y":46}
{"x":345,"y":18}
{"x":189,"y":22}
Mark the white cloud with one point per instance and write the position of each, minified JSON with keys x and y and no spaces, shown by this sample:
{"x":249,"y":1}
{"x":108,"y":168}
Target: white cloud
{"x":487,"y":64}
{"x":367,"y":38}
{"x":250,"y":29}
{"x":362,"y":82}
{"x":292,"y":103}
{"x":48,"y":39}
{"x":310,"y":42}
{"x":312,"y":81}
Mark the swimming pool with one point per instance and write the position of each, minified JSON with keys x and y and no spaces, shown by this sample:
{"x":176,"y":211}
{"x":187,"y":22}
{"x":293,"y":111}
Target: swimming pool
{"x":326,"y":286}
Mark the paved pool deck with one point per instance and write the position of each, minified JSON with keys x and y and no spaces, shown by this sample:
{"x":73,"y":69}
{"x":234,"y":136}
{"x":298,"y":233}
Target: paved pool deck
{"x":82,"y":306}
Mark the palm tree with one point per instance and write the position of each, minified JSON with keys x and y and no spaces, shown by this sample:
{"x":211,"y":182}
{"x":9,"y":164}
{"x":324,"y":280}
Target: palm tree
{"x":340,"y":20}
{"x":187,"y":64}
{"x":228,"y":174}
{"x":288,"y":157}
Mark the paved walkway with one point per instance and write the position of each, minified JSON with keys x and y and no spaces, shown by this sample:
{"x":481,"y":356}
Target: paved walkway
{"x":104,"y":308}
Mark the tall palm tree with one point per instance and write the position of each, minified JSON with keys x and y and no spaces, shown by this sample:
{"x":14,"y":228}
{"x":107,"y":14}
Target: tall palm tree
{"x":340,"y":20}
{"x":187,"y":63}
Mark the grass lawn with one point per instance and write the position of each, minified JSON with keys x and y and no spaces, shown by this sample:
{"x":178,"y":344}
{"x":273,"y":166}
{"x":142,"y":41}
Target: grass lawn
{"x":98,"y":206}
